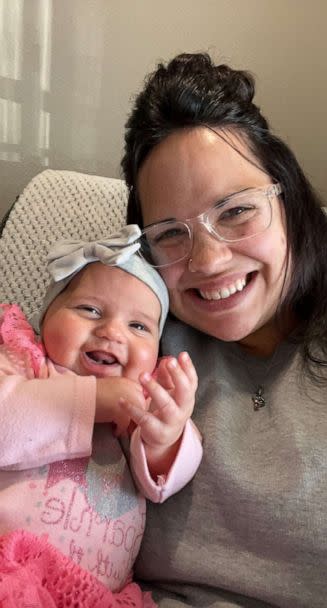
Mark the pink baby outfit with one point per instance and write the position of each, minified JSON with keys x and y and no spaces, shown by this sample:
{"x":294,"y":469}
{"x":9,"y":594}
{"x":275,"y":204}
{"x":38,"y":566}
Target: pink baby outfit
{"x":66,"y":479}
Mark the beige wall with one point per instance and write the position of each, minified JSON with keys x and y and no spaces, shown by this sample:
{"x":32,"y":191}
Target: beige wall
{"x":69,"y":69}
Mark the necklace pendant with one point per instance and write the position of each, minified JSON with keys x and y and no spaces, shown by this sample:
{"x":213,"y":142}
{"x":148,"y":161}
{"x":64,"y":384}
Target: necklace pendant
{"x":258,"y":399}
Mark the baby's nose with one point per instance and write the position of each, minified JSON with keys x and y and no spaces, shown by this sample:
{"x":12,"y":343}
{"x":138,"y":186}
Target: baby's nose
{"x":111,"y":330}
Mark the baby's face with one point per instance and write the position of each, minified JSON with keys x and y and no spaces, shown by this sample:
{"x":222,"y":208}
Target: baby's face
{"x":105,"y":323}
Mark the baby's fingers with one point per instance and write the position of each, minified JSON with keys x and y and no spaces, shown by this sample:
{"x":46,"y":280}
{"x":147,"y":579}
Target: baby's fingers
{"x":162,"y":375}
{"x":187,"y":366}
{"x":152,"y":429}
{"x":135,"y":413}
{"x":160,"y":397}
{"x":185,"y":383}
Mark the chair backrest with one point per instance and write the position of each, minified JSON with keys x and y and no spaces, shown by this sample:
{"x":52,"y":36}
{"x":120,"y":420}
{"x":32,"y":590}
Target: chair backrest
{"x":54,"y":205}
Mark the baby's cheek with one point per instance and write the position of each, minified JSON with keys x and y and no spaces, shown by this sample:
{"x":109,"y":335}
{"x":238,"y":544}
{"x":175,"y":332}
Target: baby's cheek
{"x":60,"y":345}
{"x":50,"y":341}
{"x":147,"y":358}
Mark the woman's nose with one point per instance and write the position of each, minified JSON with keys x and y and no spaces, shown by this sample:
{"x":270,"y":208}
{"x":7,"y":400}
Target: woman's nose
{"x":208,"y":254}
{"x":110,"y":329}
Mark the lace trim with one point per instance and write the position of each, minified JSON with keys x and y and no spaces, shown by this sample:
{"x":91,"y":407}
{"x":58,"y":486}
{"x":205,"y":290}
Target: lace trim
{"x":17,"y":334}
{"x":35,"y":574}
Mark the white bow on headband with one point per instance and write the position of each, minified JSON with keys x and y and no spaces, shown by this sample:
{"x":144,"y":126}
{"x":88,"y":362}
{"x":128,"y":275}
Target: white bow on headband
{"x":68,"y":257}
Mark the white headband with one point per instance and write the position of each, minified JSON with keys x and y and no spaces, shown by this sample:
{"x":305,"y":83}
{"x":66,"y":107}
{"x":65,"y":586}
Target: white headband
{"x":67,"y":258}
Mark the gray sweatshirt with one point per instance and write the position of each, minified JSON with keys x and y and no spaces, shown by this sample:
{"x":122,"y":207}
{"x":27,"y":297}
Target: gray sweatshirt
{"x":250,"y":530}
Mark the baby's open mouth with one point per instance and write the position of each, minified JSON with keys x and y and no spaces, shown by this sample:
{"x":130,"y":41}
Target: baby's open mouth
{"x":102,"y":358}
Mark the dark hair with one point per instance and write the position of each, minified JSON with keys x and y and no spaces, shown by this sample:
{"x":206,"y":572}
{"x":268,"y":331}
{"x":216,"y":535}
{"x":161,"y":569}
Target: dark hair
{"x":190,"y":91}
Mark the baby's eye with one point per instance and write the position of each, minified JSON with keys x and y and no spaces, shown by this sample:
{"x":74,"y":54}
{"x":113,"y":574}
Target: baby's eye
{"x":89,"y":310}
{"x":139,"y":326}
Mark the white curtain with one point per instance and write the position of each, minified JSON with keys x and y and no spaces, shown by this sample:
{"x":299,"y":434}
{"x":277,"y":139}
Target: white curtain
{"x":50,"y":81}
{"x":53,"y":108}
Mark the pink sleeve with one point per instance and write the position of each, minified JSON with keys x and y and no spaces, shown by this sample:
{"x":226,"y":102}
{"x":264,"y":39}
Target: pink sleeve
{"x":45,"y":420}
{"x":182,"y":470}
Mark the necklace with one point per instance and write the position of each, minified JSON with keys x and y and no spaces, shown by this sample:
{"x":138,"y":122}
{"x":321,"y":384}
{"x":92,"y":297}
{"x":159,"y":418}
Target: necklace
{"x":260,"y":369}
{"x":258,"y":399}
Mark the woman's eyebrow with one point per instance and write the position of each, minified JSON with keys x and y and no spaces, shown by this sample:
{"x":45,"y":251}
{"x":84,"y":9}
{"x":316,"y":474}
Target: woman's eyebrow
{"x":220,"y":201}
{"x":168,"y":219}
{"x":224,"y":200}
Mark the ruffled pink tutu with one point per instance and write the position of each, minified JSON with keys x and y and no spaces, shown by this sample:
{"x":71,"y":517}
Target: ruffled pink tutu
{"x":33,"y":574}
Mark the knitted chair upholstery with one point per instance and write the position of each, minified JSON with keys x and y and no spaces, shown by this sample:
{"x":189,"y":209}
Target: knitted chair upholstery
{"x":54,"y":205}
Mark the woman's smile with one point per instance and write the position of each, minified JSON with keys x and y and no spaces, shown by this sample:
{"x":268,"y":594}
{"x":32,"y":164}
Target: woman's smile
{"x":221,"y":298}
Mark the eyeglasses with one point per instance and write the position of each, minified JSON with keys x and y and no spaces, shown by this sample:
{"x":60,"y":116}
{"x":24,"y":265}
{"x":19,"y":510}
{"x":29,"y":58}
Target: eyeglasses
{"x":238,"y":217}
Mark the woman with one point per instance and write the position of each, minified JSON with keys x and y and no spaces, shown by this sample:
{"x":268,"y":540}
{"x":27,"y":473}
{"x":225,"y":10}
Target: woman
{"x":239,"y":236}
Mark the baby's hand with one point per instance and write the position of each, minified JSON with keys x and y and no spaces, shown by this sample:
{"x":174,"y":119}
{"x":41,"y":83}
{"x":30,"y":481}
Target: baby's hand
{"x":172,"y":402}
{"x":109,"y":393}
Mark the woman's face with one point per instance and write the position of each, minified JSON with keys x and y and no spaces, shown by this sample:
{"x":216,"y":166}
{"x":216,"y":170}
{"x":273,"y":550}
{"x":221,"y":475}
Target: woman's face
{"x":185,"y":175}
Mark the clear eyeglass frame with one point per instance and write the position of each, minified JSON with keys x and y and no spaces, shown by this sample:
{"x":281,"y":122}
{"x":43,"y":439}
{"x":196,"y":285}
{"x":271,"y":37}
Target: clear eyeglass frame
{"x":268,"y":192}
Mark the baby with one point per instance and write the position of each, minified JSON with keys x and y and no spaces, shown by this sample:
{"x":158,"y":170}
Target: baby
{"x":71,"y":516}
